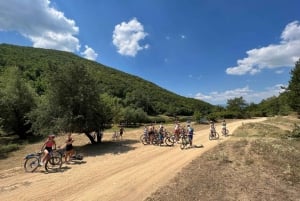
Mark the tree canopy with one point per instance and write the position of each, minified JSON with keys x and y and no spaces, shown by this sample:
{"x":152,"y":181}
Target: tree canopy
{"x":294,"y":88}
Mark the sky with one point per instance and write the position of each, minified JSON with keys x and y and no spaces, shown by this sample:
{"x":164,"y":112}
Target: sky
{"x":212,"y":50}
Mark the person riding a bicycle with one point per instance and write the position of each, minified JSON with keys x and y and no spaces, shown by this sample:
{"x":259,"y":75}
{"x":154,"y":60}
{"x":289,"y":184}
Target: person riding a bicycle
{"x":212,"y":128}
{"x":48,"y":147}
{"x":161,"y":133}
{"x":224,"y":125}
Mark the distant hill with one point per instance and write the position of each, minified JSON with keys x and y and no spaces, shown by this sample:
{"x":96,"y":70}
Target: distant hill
{"x":153,"y":99}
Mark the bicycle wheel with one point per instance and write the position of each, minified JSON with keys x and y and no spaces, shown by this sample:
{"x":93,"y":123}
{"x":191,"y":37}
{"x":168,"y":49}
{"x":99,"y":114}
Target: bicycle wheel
{"x":145,"y":140}
{"x":53,"y":164}
{"x":31,"y":164}
{"x":169,"y":141}
{"x":59,"y":153}
{"x":184,"y":143}
{"x":210,"y":136}
{"x":141,"y":137}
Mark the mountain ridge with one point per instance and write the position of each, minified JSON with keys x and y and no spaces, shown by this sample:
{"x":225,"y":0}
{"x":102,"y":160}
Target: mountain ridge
{"x":33,"y":62}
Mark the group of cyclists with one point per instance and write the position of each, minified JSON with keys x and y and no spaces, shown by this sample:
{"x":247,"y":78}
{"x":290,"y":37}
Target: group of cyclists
{"x":151,"y":133}
{"x":50,"y":144}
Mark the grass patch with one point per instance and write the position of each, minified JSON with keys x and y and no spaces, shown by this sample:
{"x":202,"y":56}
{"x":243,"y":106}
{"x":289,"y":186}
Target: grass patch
{"x":6,"y":149}
{"x":261,"y":130}
{"x":282,"y":155}
{"x":8,"y":144}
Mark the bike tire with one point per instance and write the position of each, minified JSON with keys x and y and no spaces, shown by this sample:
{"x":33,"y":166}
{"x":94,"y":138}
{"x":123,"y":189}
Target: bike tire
{"x":227,"y":132}
{"x":169,"y":141}
{"x":145,"y":140}
{"x":155,"y":141}
{"x":31,"y":164}
{"x":53,"y":164}
{"x":217,"y":135}
{"x":141,"y":137}
{"x":184,"y":143}
{"x":210,"y":137}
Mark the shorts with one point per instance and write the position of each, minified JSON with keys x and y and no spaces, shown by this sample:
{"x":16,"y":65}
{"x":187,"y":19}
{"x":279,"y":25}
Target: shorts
{"x":69,"y":147}
{"x":190,"y":137}
{"x":49,"y":149}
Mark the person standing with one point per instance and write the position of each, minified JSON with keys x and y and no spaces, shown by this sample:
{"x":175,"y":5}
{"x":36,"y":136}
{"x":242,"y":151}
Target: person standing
{"x":69,"y":148}
{"x":121,"y":132}
{"x":190,"y":134}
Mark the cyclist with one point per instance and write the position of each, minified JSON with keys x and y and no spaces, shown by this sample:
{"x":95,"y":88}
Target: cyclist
{"x":190,"y":134}
{"x":48,"y":147}
{"x":177,"y":131}
{"x":145,"y":131}
{"x":161,"y":133}
{"x":69,"y":148}
{"x":151,"y":133}
{"x":224,"y":127}
{"x":212,"y":128}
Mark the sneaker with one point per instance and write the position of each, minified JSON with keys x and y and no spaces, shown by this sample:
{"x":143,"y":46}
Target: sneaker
{"x":41,"y":163}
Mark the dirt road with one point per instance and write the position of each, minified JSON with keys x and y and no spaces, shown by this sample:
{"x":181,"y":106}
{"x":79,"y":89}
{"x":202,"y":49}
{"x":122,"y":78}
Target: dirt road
{"x":118,"y":175}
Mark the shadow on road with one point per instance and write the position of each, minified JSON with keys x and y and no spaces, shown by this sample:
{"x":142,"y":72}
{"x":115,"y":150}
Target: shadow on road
{"x":106,"y":147}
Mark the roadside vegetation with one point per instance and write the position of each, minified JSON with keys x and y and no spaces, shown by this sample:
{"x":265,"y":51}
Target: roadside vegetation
{"x":261,"y":161}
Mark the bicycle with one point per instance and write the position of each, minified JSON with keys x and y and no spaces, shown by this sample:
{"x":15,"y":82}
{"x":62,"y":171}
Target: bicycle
{"x":32,"y":162}
{"x":185,"y":141}
{"x":213,"y":135}
{"x":74,"y":157}
{"x":145,"y":139}
{"x":225,"y":132}
{"x":170,"y":139}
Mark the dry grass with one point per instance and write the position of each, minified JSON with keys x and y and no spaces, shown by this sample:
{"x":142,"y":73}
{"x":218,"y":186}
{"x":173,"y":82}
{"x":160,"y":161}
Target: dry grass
{"x":258,"y":163}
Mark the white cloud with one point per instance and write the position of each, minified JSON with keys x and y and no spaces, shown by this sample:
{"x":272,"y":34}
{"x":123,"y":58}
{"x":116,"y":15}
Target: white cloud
{"x":247,"y":94}
{"x":284,"y":54}
{"x":36,"y":20}
{"x":126,"y":37}
{"x":89,"y":53}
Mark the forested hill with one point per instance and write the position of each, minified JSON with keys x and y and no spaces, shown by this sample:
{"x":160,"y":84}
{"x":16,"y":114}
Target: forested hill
{"x":131,"y":90}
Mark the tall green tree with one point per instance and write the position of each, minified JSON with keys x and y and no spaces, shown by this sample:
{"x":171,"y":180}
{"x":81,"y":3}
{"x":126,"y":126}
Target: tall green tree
{"x":294,"y":88}
{"x":237,"y":107}
{"x":72,"y":103}
{"x":17,"y":99}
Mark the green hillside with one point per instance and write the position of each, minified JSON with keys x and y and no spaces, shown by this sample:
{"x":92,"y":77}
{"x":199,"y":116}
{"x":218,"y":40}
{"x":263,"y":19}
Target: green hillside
{"x":132,"y":90}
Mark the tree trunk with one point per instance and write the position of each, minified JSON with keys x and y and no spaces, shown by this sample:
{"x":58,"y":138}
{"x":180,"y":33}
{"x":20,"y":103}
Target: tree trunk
{"x":99,"y":136}
{"x":90,"y":137}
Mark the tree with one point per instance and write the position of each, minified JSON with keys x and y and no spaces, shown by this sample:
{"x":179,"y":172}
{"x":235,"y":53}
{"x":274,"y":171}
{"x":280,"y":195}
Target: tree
{"x":72,"y":103}
{"x":17,"y":99}
{"x":294,"y":88}
{"x":237,"y":106}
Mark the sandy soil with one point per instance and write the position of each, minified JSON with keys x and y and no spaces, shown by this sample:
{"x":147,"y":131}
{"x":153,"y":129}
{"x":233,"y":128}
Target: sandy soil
{"x":127,"y":171}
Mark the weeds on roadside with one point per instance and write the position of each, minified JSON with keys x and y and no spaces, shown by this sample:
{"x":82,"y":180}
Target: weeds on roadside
{"x":5,"y":149}
{"x":295,"y":133}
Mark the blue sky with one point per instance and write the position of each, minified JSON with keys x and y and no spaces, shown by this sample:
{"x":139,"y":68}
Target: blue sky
{"x":213,"y":50}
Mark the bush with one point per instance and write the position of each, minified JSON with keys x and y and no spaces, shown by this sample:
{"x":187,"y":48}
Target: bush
{"x":296,"y":131}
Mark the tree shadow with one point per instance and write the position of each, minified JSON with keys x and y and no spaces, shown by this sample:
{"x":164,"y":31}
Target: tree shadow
{"x":106,"y":147}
